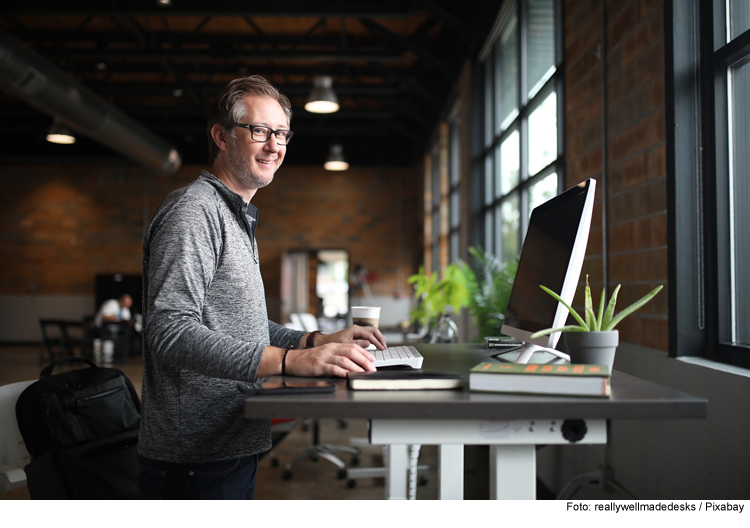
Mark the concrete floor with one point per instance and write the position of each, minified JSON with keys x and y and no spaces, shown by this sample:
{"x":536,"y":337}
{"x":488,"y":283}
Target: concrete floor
{"x":310,"y":480}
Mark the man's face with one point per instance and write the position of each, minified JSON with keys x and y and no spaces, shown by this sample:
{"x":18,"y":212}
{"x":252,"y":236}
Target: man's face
{"x":253,"y":163}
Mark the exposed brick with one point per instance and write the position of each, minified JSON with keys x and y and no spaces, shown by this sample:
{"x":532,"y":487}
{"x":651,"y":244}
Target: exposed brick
{"x":646,"y":199}
{"x":655,"y":333}
{"x":635,"y":43}
{"x":621,"y":24}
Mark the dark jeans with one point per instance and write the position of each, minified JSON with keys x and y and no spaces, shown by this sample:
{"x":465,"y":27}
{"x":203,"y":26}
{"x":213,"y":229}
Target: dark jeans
{"x":226,"y":479}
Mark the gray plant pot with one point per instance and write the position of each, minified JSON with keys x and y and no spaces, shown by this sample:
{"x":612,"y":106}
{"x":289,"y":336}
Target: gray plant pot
{"x":592,"y":348}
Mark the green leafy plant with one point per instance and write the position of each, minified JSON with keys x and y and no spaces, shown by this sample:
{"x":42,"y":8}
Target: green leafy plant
{"x":605,"y":320}
{"x":435,"y":295}
{"x":489,"y":282}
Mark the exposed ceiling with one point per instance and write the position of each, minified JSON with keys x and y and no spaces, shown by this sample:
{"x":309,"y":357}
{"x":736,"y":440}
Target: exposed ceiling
{"x":394,"y":65}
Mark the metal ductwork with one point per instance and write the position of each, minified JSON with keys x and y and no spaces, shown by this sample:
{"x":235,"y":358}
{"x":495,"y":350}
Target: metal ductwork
{"x":28,"y":76}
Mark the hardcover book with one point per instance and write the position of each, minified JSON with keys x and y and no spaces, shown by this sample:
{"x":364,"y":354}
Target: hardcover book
{"x":411,"y":379}
{"x":559,"y":380}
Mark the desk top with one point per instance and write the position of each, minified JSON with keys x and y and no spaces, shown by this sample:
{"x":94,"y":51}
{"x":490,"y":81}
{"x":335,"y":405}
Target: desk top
{"x":632,"y":398}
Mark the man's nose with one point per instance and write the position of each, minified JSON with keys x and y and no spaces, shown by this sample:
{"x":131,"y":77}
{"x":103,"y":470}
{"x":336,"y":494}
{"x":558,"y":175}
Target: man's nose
{"x":272,"y":144}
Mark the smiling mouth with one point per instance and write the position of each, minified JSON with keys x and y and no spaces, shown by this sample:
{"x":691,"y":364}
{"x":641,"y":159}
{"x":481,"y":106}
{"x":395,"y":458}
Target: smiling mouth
{"x":265,"y":161}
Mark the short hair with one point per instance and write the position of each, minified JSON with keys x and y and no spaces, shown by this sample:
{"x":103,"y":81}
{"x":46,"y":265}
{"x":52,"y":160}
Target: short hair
{"x":228,"y":108}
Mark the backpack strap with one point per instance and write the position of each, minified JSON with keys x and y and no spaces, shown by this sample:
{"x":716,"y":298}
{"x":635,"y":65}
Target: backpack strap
{"x":47,"y":372}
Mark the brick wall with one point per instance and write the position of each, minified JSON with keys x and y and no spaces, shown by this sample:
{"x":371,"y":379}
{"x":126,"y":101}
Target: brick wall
{"x":636,"y":202}
{"x":62,"y":225}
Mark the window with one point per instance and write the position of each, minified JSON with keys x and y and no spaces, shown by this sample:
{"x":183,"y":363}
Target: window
{"x":710,"y":181}
{"x":521,"y":105}
{"x":454,"y":191}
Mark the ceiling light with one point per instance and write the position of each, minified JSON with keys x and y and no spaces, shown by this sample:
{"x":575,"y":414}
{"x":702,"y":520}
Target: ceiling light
{"x":60,"y":134}
{"x":336,"y":161}
{"x":164,"y":3}
{"x":322,"y":98}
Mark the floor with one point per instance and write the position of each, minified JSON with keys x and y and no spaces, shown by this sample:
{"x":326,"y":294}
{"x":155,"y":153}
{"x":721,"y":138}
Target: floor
{"x":310,"y":479}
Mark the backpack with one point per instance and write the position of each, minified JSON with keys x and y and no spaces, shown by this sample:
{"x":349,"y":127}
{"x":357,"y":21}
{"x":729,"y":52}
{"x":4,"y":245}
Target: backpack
{"x":81,"y":430}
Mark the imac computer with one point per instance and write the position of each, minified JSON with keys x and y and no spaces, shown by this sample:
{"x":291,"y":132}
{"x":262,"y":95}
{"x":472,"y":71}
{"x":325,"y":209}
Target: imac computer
{"x":552,"y":256}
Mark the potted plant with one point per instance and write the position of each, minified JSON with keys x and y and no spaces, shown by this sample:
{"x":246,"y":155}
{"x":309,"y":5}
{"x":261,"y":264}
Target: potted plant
{"x":594,"y":340}
{"x":489,"y":283}
{"x":434,"y":297}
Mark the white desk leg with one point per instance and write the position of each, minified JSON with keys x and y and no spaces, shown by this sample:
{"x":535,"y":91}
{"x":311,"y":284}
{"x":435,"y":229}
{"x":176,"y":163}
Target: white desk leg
{"x":451,"y":472}
{"x":396,"y":468}
{"x":513,"y":472}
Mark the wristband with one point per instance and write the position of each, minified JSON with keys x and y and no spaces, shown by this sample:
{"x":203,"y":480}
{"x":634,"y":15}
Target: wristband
{"x":283,"y":360}
{"x":310,"y":343}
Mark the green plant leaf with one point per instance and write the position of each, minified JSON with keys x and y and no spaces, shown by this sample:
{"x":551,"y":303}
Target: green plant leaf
{"x":548,"y":331}
{"x":589,"y":307}
{"x":570,"y":309}
{"x":610,"y":310}
{"x":593,"y":326}
{"x":601,"y":309}
{"x":633,"y":307}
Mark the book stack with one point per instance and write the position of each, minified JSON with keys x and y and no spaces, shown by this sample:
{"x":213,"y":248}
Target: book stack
{"x":409,"y":379}
{"x":557,"y":380}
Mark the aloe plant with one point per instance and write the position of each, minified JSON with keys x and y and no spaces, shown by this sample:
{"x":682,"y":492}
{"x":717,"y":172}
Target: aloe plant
{"x":604,"y":320}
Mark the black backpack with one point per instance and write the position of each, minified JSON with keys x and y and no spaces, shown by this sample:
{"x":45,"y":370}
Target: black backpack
{"x":81,"y":430}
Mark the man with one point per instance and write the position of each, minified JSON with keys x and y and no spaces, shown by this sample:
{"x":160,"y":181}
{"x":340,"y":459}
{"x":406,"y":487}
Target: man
{"x":114,"y":310}
{"x":206,"y":327}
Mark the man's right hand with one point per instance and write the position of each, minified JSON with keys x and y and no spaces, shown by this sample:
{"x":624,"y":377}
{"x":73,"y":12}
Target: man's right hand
{"x":330,"y":359}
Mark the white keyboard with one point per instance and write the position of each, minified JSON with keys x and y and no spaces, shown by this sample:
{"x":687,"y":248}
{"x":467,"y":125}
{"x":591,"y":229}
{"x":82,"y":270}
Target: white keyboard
{"x":397,"y":355}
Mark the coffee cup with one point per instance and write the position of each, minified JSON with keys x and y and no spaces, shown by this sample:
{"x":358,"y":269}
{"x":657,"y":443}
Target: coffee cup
{"x":366,"y":315}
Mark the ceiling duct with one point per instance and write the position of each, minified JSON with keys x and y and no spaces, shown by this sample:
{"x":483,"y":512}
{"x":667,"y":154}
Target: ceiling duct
{"x":28,"y":76}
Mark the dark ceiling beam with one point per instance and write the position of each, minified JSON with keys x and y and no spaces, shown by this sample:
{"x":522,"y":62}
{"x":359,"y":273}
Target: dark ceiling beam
{"x":154,"y":88}
{"x":408,"y":44}
{"x":422,"y":91}
{"x":119,"y":38}
{"x":235,"y":54}
{"x":450,"y":19}
{"x":299,"y":9}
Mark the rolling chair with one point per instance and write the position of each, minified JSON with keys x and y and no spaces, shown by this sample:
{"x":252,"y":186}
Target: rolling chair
{"x":316,"y":450}
{"x":13,"y":453}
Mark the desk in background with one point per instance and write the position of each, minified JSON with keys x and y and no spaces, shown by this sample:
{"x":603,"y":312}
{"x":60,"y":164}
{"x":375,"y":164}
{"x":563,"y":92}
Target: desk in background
{"x":512,"y":425}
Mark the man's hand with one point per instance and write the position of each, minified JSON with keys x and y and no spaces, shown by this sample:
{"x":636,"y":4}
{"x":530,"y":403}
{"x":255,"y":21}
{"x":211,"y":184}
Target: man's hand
{"x":361,"y":335}
{"x":330,"y":359}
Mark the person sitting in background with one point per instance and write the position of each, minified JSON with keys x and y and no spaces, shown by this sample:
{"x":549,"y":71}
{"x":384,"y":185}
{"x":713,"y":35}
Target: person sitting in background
{"x":114,"y":310}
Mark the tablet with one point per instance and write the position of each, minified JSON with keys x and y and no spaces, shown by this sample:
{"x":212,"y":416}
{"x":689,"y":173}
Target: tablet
{"x":278,"y":385}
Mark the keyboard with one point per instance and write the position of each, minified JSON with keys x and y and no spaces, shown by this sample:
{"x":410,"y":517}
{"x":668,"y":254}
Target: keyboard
{"x":397,"y":355}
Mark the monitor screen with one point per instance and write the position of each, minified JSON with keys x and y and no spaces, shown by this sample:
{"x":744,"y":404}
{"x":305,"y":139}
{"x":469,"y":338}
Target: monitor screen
{"x":552,"y":256}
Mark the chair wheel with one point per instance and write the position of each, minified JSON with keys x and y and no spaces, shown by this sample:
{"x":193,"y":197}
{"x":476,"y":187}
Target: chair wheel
{"x":355,"y":461}
{"x":286,"y":475}
{"x":351,"y":483}
{"x":274,"y":462}
{"x":341,"y":474}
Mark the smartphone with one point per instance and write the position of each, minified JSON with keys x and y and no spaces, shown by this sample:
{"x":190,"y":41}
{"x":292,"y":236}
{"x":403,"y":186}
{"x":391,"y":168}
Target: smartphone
{"x":278,"y":385}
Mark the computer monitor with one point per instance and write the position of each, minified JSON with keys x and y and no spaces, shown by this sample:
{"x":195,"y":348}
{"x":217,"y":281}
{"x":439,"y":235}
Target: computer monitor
{"x":552,"y":256}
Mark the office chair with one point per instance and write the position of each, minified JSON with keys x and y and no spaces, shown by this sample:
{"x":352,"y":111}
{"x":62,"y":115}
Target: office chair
{"x":317,"y":450}
{"x":13,"y":453}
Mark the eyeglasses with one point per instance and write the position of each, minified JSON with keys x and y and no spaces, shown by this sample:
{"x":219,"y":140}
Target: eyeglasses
{"x":261,"y":134}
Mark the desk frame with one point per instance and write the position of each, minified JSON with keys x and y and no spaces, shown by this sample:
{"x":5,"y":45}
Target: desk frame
{"x":452,"y":419}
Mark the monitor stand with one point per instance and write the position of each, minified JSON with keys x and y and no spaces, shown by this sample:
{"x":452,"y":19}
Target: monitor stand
{"x":528,"y":349}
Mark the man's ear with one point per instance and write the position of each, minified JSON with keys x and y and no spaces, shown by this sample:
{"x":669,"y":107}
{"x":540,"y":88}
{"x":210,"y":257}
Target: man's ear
{"x":219,"y":136}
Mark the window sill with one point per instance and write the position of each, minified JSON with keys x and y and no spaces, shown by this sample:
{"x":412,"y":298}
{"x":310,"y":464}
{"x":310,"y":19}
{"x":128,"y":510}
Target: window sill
{"x":715,"y":365}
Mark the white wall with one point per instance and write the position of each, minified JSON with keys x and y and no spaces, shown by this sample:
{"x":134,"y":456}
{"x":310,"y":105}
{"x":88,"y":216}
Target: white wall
{"x":670,"y":459}
{"x":20,"y":314}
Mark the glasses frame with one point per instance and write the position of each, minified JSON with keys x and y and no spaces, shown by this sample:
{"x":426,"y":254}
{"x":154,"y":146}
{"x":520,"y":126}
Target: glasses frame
{"x":274,"y":132}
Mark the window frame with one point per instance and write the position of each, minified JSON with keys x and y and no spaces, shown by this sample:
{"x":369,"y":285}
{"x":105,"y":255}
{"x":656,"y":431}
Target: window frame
{"x":698,"y":58}
{"x":487,"y":203}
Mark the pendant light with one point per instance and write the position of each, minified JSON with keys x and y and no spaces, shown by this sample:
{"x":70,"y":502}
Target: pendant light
{"x":60,"y":134}
{"x":322,"y":98}
{"x":336,"y":160}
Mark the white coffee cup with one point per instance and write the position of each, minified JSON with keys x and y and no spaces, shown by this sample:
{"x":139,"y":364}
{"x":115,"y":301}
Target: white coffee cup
{"x":366,"y":315}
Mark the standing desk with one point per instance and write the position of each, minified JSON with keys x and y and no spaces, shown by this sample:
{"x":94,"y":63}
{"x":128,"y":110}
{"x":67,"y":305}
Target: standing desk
{"x":512,"y":425}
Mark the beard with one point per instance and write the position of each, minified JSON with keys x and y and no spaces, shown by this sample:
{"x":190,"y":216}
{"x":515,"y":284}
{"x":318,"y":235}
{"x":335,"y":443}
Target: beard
{"x":241,"y":167}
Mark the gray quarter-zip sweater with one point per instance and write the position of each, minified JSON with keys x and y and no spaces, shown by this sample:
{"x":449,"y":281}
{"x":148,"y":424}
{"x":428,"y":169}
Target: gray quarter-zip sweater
{"x":205,"y":327}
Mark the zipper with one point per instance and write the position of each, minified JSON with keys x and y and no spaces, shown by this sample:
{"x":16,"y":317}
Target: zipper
{"x":79,"y":403}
